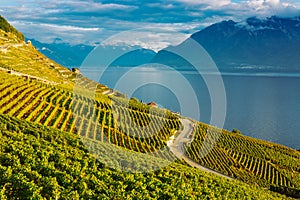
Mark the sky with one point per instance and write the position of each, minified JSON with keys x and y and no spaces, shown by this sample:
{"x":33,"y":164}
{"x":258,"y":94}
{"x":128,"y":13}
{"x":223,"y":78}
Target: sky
{"x":164,"y":22}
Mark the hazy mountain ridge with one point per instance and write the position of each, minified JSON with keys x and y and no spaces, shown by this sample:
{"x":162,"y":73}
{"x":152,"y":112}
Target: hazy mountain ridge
{"x":135,"y":58}
{"x":73,"y":55}
{"x":252,"y":45}
{"x":64,"y":53}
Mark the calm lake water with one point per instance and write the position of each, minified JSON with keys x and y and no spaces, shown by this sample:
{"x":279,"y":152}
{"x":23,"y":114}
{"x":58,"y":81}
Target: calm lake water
{"x":261,"y":106}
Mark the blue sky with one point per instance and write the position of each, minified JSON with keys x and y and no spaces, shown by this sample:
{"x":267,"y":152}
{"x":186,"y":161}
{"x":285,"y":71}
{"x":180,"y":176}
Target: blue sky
{"x":90,"y":21}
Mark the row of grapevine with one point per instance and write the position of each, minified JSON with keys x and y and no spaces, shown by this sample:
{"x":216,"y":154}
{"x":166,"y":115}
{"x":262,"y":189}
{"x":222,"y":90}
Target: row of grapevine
{"x":199,"y":154}
{"x":52,"y":106}
{"x":245,"y":158}
{"x":261,"y":168}
{"x":37,"y":162}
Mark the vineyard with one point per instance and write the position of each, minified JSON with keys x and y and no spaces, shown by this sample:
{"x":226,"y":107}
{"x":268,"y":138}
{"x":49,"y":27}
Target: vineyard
{"x":140,"y":128}
{"x":39,"y":162}
{"x":247,"y":159}
{"x":76,"y":104}
{"x":108,"y":119}
{"x":34,"y":65}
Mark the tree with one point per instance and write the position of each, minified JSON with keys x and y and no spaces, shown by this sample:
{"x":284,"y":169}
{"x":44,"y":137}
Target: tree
{"x":236,"y":131}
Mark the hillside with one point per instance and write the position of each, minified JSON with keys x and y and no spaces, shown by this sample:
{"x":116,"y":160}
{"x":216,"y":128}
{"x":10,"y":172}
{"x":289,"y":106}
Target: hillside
{"x":23,"y":59}
{"x":6,"y":27}
{"x":56,"y":169}
{"x":72,"y":138}
{"x":39,"y":162}
{"x":250,"y":160}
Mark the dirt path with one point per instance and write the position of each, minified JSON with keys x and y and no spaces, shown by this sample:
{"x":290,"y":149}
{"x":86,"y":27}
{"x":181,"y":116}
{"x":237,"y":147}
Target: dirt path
{"x":5,"y":47}
{"x":185,"y":136}
{"x":12,"y":72}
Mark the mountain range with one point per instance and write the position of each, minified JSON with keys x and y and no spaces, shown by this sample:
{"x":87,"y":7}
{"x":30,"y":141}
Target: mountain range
{"x":270,"y":44}
{"x":273,"y":43}
{"x":253,"y":45}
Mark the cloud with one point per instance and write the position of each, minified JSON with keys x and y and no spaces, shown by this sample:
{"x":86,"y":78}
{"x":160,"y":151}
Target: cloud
{"x":48,"y":32}
{"x":89,"y":21}
{"x":153,"y":38}
{"x":272,"y":7}
{"x":67,"y":28}
{"x":162,"y":6}
{"x":89,"y":6}
{"x":206,"y":2}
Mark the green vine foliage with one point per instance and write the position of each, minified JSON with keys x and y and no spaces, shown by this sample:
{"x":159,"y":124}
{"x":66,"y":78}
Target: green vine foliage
{"x":37,"y":162}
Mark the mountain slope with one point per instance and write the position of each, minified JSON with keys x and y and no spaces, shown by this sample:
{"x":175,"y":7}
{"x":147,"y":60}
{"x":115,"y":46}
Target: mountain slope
{"x":135,"y":58}
{"x":24,"y":58}
{"x":270,"y":44}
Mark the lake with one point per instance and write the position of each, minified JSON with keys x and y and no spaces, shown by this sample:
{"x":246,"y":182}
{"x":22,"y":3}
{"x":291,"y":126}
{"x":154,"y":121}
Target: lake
{"x":264,"y":106}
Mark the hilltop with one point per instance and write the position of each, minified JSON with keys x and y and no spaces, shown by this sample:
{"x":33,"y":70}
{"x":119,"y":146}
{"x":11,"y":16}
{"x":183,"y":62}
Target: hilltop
{"x":79,"y":139}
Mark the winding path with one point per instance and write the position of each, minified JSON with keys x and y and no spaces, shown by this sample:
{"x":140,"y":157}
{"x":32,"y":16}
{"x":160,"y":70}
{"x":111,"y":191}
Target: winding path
{"x":185,"y":136}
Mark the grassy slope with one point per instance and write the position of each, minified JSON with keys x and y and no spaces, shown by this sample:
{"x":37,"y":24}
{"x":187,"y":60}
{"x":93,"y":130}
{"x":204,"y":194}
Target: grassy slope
{"x":4,"y":25}
{"x":30,"y":61}
{"x":27,"y":60}
{"x":24,"y":58}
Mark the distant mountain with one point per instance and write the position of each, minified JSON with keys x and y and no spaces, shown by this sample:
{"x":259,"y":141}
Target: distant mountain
{"x":72,"y":56}
{"x":135,"y":58}
{"x":253,"y":45}
{"x":271,"y":44}
{"x":64,"y":53}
